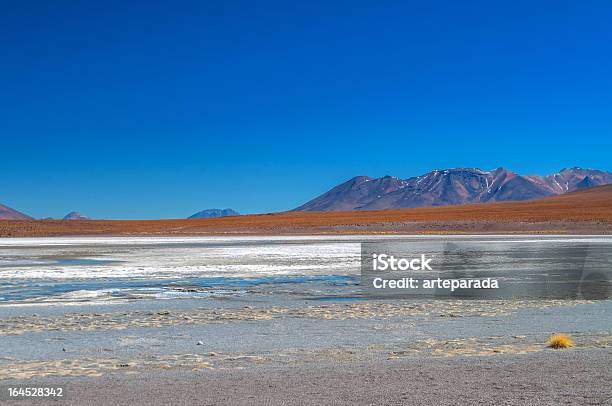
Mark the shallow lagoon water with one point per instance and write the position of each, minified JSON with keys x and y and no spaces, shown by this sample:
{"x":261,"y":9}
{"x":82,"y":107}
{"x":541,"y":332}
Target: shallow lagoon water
{"x":115,"y":269}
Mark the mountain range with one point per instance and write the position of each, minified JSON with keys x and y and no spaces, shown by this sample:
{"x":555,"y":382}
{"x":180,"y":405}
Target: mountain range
{"x":451,"y":187}
{"x":6,"y":213}
{"x":211,"y":213}
{"x":437,"y":188}
{"x":75,"y":215}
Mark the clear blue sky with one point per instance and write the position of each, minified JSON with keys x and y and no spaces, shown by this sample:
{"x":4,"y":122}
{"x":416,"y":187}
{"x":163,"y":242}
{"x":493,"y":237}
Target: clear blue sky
{"x":153,"y":109}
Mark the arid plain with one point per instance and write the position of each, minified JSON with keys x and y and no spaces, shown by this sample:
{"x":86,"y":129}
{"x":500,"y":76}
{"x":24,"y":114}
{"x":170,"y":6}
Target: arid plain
{"x":266,"y":309}
{"x":587,"y":211}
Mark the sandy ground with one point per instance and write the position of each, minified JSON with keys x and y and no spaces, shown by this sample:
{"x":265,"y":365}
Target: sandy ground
{"x":563,"y":377}
{"x":303,"y":352}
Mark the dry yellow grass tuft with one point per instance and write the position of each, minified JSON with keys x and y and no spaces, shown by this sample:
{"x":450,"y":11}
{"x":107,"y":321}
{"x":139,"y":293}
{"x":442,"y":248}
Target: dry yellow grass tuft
{"x":558,"y":341}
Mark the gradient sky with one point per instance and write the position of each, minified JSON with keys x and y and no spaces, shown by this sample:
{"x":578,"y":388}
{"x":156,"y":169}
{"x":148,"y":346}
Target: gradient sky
{"x":153,"y":109}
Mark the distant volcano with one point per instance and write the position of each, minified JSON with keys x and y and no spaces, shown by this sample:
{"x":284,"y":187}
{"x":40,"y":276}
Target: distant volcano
{"x":6,"y":213}
{"x":75,"y":215}
{"x":452,"y":187}
{"x":211,"y":213}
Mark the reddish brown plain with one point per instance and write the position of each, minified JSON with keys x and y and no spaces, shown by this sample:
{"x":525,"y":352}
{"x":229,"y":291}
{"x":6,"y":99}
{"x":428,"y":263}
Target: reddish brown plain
{"x":584,"y":212}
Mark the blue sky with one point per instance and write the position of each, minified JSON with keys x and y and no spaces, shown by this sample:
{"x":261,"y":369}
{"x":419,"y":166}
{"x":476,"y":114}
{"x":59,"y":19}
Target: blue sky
{"x":160,"y":109}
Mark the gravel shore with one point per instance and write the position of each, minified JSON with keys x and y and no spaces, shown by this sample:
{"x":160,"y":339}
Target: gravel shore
{"x":574,"y":377}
